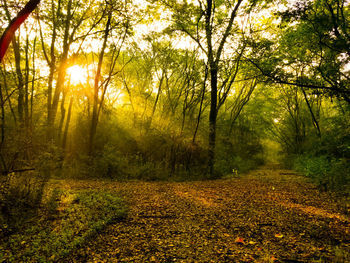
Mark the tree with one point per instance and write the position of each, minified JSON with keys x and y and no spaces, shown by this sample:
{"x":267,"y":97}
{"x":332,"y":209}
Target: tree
{"x":310,"y":50}
{"x":211,"y":24}
{"x":118,"y":20}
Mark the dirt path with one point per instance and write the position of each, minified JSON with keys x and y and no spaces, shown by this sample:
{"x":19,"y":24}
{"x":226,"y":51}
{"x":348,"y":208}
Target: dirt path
{"x":268,"y":216}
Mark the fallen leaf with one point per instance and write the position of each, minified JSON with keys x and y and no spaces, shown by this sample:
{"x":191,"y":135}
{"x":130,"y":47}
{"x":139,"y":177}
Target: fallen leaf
{"x":239,"y":240}
{"x":279,"y":235}
{"x":273,"y":258}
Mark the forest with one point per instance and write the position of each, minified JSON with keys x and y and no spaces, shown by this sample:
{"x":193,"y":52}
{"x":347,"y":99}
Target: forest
{"x":122,"y":116}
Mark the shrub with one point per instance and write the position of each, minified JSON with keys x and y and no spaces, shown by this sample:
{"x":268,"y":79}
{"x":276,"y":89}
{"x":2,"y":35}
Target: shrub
{"x":20,"y":197}
{"x":328,"y":173}
{"x":81,"y":216}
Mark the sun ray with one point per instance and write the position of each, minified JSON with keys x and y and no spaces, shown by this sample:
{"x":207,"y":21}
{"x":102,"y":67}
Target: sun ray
{"x":77,"y":74}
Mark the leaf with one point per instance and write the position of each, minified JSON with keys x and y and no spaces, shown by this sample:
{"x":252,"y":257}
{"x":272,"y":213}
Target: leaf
{"x":279,"y":235}
{"x":239,"y":240}
{"x":273,"y":259}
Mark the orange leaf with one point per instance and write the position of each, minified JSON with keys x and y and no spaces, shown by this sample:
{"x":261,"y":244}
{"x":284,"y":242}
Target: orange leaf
{"x":273,"y":258}
{"x":279,"y":235}
{"x":239,"y":240}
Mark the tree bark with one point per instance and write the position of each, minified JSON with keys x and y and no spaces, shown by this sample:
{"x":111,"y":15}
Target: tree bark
{"x":94,"y":119}
{"x":61,"y":72}
{"x":26,"y":90}
{"x":20,"y":84}
{"x":65,"y":134}
{"x":212,"y":118}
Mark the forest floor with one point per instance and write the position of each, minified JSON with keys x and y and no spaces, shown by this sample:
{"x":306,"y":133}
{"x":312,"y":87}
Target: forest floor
{"x":269,"y":215}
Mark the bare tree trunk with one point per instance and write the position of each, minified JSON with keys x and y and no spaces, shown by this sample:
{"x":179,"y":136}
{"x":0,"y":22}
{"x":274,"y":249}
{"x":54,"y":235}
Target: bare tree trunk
{"x":314,"y":120}
{"x":130,"y":99}
{"x":26,"y":85}
{"x":2,"y":119}
{"x":3,"y":163}
{"x":61,"y":72}
{"x":65,"y":134}
{"x":200,"y":106}
{"x":20,"y":84}
{"x":212,"y":119}
{"x":239,"y":103}
{"x":156,"y":101}
{"x":94,"y":119}
{"x":32,"y":89}
{"x":63,"y":114}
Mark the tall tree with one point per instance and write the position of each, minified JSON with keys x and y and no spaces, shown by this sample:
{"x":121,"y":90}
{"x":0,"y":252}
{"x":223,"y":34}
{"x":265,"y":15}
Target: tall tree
{"x":117,"y":19}
{"x":211,"y":24}
{"x":311,"y":50}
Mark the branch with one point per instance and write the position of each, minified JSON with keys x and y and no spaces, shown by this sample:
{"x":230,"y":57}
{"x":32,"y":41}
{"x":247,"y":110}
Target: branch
{"x":17,"y":171}
{"x":14,"y":25}
{"x":228,"y":29}
{"x":310,"y":86}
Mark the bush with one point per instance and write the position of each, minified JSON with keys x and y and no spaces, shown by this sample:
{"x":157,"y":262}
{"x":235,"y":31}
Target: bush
{"x":20,"y":197}
{"x":328,"y":173}
{"x":239,"y":155}
{"x":110,"y":163}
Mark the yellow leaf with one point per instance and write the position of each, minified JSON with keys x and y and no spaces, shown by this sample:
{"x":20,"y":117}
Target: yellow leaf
{"x":279,"y":235}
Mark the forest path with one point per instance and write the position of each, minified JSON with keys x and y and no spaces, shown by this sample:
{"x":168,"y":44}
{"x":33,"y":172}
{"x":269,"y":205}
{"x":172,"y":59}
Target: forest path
{"x":270,"y":215}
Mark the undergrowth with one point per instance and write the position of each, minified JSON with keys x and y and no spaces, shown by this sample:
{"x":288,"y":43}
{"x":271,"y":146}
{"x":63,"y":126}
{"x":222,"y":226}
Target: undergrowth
{"x":69,"y":220}
{"x":328,"y":173}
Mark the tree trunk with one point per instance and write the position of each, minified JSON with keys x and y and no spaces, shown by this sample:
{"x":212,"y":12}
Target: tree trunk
{"x":200,"y":106}
{"x":33,"y":85}
{"x":26,"y":85}
{"x":63,"y":115}
{"x":61,"y":73}
{"x":8,"y":97}
{"x":314,"y":120}
{"x":64,"y":140}
{"x":155,"y":102}
{"x":2,"y":119}
{"x":212,"y":118}
{"x":94,"y":119}
{"x":20,"y":85}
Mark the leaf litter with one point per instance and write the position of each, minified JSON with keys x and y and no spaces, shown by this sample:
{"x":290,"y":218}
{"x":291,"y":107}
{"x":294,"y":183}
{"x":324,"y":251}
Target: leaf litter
{"x":269,"y":215}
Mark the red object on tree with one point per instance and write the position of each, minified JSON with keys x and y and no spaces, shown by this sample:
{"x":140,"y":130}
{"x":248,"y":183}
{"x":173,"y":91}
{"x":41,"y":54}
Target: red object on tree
{"x":14,"y":25}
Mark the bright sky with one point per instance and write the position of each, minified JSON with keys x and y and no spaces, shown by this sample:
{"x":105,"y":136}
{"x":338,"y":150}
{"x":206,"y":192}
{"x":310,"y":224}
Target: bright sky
{"x":77,"y":74}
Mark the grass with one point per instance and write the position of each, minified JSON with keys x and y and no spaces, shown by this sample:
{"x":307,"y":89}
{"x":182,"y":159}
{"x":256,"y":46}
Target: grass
{"x":71,"y":218}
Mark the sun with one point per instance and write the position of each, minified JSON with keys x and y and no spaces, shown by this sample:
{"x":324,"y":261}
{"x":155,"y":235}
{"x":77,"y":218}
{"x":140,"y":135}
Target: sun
{"x":77,"y":74}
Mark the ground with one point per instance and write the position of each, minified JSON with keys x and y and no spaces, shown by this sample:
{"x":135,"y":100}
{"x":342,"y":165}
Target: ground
{"x":270,"y":215}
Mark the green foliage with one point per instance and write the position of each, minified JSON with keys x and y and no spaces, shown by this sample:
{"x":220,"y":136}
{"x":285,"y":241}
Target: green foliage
{"x":328,"y":173}
{"x":20,"y":197}
{"x":241,"y":149}
{"x":51,"y":202}
{"x":81,"y":215}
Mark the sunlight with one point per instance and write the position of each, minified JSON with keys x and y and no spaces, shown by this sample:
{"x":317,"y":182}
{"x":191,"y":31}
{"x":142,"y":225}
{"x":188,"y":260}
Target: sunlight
{"x":77,"y":74}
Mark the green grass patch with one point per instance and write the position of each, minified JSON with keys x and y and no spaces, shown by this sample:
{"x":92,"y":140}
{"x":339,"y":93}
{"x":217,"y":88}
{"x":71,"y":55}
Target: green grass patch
{"x":52,"y":235}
